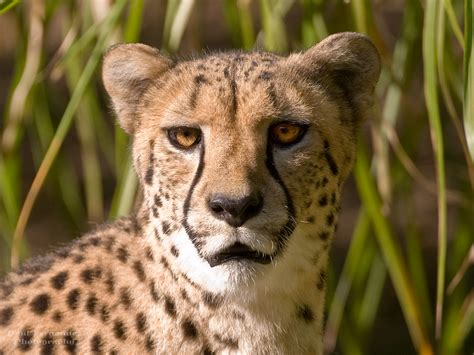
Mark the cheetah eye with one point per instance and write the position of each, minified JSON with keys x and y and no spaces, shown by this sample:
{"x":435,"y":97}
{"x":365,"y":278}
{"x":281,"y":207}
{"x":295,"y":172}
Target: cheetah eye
{"x":184,"y":137}
{"x":287,"y":133}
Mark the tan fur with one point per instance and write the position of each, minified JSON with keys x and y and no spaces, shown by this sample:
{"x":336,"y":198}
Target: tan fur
{"x":145,"y":282}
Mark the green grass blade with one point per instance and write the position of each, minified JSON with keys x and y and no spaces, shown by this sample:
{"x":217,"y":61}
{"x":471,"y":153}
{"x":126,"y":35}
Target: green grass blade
{"x":468,"y":104}
{"x":391,"y":252}
{"x":432,"y":12}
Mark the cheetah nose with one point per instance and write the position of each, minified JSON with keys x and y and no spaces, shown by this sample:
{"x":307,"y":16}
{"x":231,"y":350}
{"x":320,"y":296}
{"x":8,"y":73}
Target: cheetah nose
{"x":235,"y":211}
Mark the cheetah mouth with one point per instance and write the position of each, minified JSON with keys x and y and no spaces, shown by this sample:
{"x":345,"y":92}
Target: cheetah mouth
{"x":238,"y":251}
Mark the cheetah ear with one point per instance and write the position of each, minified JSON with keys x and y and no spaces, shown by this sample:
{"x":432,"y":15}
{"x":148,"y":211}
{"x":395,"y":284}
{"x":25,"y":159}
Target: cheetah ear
{"x":350,"y":62}
{"x":127,"y":71}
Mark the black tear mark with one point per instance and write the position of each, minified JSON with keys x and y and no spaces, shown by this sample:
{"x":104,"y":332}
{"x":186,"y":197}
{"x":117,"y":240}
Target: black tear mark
{"x":151,"y":164}
{"x":332,"y":164}
{"x":195,"y":237}
{"x":233,"y":92}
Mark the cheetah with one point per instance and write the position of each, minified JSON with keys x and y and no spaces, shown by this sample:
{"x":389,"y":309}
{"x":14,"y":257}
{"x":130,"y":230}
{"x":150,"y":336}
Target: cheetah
{"x":241,"y":158}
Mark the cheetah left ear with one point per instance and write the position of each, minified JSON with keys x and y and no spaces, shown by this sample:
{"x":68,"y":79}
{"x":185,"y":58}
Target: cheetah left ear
{"x":127,"y":71}
{"x":348,"y":61}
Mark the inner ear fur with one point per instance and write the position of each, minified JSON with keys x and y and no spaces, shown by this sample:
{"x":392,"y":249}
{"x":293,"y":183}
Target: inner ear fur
{"x":349,"y":62}
{"x":127,"y":71}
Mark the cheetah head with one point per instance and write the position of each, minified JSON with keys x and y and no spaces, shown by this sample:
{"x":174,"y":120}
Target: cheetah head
{"x":242,"y":156}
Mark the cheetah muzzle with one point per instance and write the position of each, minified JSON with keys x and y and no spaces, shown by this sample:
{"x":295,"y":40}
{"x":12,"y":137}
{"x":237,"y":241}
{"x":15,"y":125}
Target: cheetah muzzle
{"x":241,"y":159}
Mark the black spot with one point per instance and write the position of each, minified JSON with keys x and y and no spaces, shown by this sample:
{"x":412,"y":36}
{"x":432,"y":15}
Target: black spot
{"x":150,"y":343}
{"x":122,"y":254}
{"x":73,"y":298}
{"x":211,"y":300}
{"x":59,"y":280}
{"x":324,"y":235}
{"x":321,"y":280}
{"x":228,"y":342}
{"x":95,"y":241}
{"x":311,"y":219}
{"x":207,"y":351}
{"x":233,"y":90}
{"x":330,"y":219}
{"x":333,"y":198}
{"x":47,"y":344}
{"x":306,"y":313}
{"x":40,"y":303}
{"x":138,"y":268}
{"x":110,"y":283}
{"x":89,"y":275}
{"x":226,"y":72}
{"x":189,"y":329}
{"x":170,"y":306}
{"x":165,"y":227}
{"x":149,"y":254}
{"x":323,"y":200}
{"x":153,"y":293}
{"x":272,"y":96}
{"x":57,"y":316}
{"x":324,"y":182}
{"x":158,"y":202}
{"x":78,"y":259}
{"x":125,"y":298}
{"x":120,"y":330}
{"x":91,"y":304}
{"x":104,"y":313}
{"x":6,"y":315}
{"x":174,"y":251}
{"x":265,"y":75}
{"x":96,"y":344}
{"x":200,"y":79}
{"x":140,"y":322}
{"x":70,"y":341}
{"x":25,"y":341}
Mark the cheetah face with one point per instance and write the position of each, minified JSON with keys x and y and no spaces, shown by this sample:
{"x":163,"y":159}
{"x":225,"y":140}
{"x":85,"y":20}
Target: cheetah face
{"x":241,"y":156}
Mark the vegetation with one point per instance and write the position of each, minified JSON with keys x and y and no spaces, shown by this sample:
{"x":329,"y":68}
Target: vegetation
{"x":58,"y":143}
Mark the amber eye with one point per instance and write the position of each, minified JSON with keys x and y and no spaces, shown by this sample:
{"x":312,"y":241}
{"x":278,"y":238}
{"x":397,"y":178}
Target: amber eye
{"x":286,"y":133}
{"x":184,"y":137}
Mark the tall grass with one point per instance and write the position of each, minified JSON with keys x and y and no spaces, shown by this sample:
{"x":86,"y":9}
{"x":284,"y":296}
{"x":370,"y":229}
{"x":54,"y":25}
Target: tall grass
{"x":57,"y":121}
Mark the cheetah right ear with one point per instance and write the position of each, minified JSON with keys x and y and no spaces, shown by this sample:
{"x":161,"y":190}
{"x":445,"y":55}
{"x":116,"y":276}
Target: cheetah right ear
{"x":127,"y":71}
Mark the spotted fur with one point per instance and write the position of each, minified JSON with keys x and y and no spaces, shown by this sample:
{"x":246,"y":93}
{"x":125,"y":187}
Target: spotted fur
{"x":149,"y":283}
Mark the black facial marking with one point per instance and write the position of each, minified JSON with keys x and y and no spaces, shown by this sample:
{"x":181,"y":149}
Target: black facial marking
{"x":59,"y":280}
{"x":306,"y":313}
{"x":6,"y":315}
{"x":73,"y":298}
{"x":233,"y":93}
{"x":174,"y":251}
{"x":150,"y":344}
{"x":332,"y":164}
{"x":95,"y":241}
{"x":89,"y":275}
{"x":70,"y":341}
{"x":140,"y":322}
{"x":25,"y":340}
{"x":321,"y":280}
{"x":207,"y":351}
{"x":47,"y":344}
{"x":125,"y":299}
{"x":187,"y":203}
{"x":200,"y":79}
{"x":265,"y":75}
{"x":139,"y":271}
{"x":120,"y":330}
{"x":78,"y":259}
{"x":122,"y":254}
{"x":158,"y":202}
{"x":91,"y":304}
{"x":40,"y":303}
{"x":324,"y":182}
{"x":288,"y":229}
{"x":96,"y":344}
{"x":189,"y":329}
{"x":170,"y":306}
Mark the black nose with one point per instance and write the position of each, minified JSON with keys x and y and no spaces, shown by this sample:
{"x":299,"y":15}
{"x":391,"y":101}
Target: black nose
{"x":235,"y":211}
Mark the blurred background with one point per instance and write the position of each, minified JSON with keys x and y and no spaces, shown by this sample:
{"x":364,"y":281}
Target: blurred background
{"x":401,"y":276}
